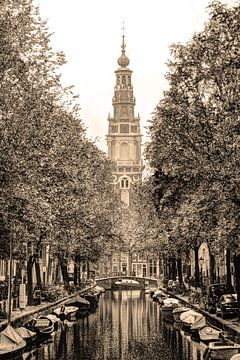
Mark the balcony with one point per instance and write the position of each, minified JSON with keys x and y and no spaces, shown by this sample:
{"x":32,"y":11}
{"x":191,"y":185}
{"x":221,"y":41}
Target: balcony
{"x":125,"y":162}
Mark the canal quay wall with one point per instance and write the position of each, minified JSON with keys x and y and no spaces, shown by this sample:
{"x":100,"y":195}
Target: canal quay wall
{"x":19,"y":317}
{"x":231,"y":326}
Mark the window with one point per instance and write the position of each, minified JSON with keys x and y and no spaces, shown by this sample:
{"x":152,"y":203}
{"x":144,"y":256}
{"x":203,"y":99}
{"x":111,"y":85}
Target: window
{"x":144,"y":270}
{"x":124,"y":151}
{"x":153,"y":268}
{"x":124,"y":128}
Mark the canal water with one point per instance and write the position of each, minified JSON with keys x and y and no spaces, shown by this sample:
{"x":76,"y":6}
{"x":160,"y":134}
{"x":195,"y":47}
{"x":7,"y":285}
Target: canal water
{"x":126,"y":326}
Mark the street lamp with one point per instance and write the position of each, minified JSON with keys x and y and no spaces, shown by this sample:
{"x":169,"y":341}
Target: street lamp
{"x":201,"y":262}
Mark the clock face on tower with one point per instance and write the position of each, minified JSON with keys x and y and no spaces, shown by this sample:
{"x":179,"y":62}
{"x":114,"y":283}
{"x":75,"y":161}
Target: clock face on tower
{"x":135,"y":178}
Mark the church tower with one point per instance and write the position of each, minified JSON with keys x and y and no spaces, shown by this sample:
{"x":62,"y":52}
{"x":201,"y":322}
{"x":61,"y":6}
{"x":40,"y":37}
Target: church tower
{"x":124,"y":136}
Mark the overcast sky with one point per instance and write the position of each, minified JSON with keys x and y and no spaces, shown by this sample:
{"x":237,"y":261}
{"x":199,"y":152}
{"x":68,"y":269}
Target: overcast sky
{"x":89,"y":32}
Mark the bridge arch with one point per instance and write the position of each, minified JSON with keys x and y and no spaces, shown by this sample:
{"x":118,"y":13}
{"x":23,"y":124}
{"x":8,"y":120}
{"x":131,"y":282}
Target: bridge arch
{"x":108,"y":282}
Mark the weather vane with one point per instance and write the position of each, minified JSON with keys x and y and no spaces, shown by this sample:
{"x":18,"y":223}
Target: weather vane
{"x":123,"y":28}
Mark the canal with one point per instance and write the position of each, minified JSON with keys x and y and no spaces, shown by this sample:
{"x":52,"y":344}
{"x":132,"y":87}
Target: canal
{"x":126,"y":326}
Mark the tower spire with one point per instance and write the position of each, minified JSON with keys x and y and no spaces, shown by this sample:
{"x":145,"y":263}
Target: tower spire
{"x":123,"y":61}
{"x":123,"y":38}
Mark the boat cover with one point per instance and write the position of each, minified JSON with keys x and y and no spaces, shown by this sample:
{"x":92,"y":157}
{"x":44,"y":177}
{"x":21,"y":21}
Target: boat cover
{"x":78,"y":299}
{"x":25,"y":333}
{"x":11,"y":334}
{"x":209,"y":331}
{"x":10,"y":341}
{"x":180,"y":309}
{"x":170,"y":301}
{"x":66,"y":310}
{"x":190,"y":316}
{"x":199,"y":323}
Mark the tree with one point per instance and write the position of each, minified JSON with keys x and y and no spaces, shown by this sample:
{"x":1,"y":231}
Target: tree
{"x":195,"y":132}
{"x":55,"y":182}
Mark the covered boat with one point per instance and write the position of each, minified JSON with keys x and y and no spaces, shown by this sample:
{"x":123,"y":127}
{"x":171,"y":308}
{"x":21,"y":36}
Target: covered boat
{"x":79,"y":302}
{"x":26,"y":334}
{"x":168,"y":306}
{"x":92,"y":298}
{"x":209,"y":333}
{"x":159,"y":295}
{"x":178,"y":311}
{"x":99,"y":288}
{"x":66,"y":312}
{"x":11,"y":343}
{"x":188,"y":318}
{"x":82,"y":304}
{"x":42,"y":325}
{"x":221,"y":350}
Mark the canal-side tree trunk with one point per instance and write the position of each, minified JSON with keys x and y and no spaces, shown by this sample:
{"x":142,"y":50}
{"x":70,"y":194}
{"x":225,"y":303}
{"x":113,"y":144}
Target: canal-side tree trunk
{"x":38,"y":274}
{"x":228,"y":270}
{"x":212,"y":269}
{"x":179,"y":270}
{"x":77,"y":279}
{"x":63,"y":265}
{"x":197,"y":275}
{"x":87,"y":269}
{"x":174,"y":269}
{"x":30,"y":264}
{"x":165,"y":272}
{"x":236,"y":261}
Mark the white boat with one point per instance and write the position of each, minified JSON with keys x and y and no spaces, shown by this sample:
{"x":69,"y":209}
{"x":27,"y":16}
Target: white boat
{"x":99,"y":288}
{"x":209,"y":333}
{"x":159,"y":296}
{"x":66,"y":311}
{"x":235,"y":357}
{"x":26,"y":334}
{"x":188,"y":318}
{"x":11,"y":343}
{"x":178,"y":311}
{"x":168,"y":306}
{"x":221,"y":350}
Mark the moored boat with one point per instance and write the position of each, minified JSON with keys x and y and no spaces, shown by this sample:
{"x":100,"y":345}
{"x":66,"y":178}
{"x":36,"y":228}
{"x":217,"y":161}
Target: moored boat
{"x":178,"y":311}
{"x":221,"y":350}
{"x":55,"y":319}
{"x":11,"y":343}
{"x":209,"y":333}
{"x":92,"y":299}
{"x":26,"y":334}
{"x":99,"y":288}
{"x":66,"y":311}
{"x":168,"y":306}
{"x":43,"y":326}
{"x":188,"y":318}
{"x":159,"y":296}
{"x":83,"y":305}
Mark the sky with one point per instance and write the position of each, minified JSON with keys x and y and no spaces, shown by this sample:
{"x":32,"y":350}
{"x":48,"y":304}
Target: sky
{"x":89,"y":32}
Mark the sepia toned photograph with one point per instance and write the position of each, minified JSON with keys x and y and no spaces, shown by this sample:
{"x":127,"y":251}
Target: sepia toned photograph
{"x":119,"y":180}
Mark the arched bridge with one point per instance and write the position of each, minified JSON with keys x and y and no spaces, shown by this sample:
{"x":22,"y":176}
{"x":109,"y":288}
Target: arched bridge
{"x":144,"y":282}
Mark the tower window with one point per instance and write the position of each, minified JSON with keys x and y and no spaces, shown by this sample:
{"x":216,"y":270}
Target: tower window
{"x":124,"y":128}
{"x":124,"y":151}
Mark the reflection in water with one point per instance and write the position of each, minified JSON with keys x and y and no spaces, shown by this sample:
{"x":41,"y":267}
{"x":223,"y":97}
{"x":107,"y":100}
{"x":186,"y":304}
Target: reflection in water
{"x":126,"y":326}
